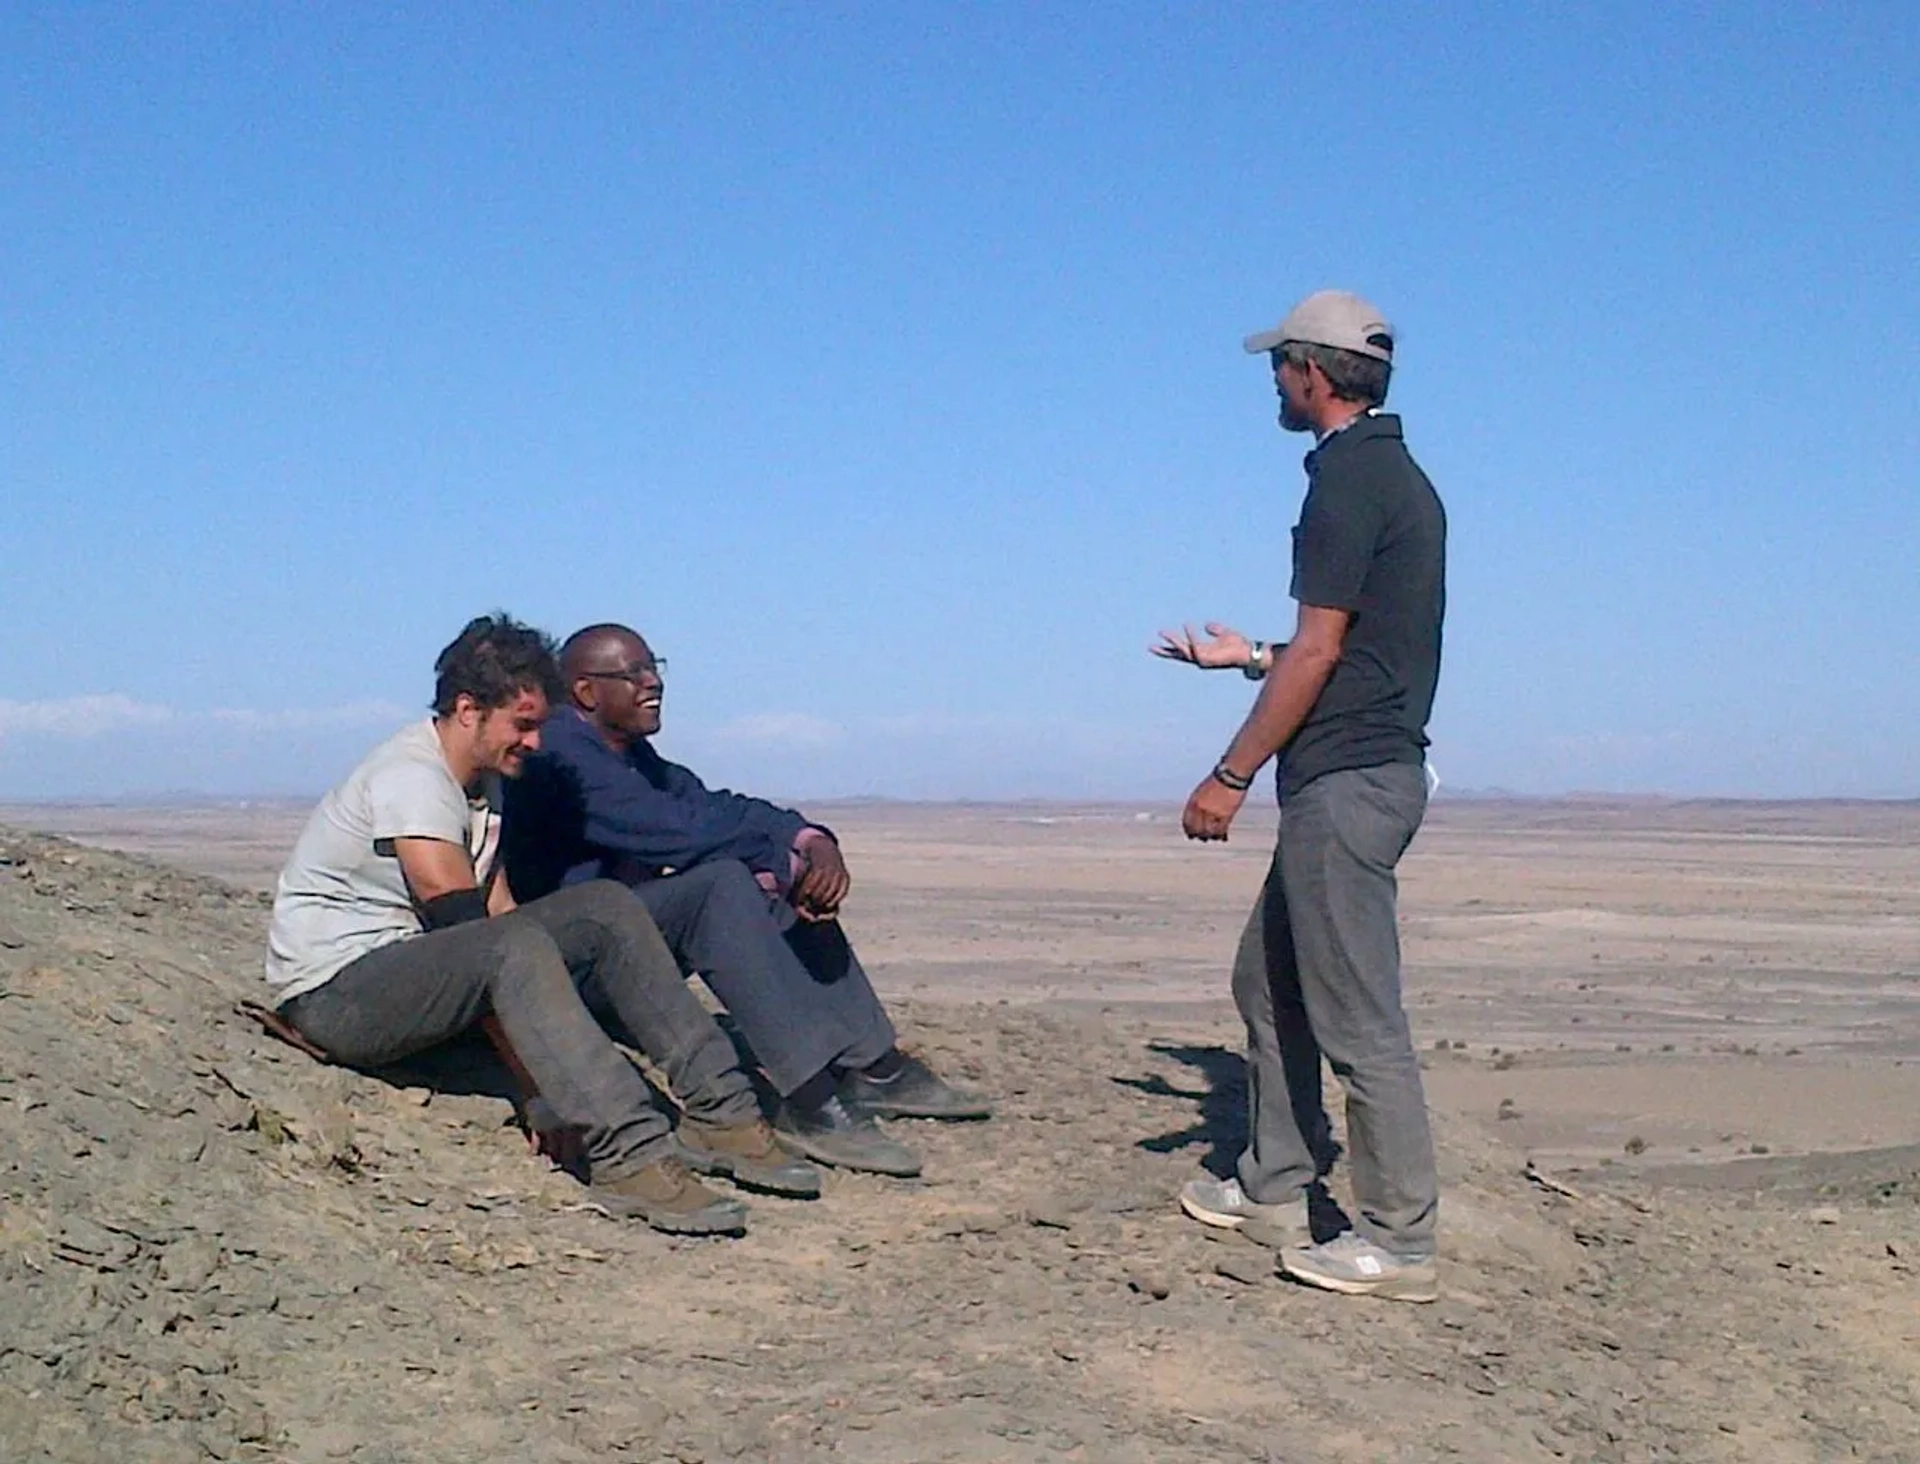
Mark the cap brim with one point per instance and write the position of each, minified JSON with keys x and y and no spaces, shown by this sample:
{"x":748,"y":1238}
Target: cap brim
{"x":1259,"y":345}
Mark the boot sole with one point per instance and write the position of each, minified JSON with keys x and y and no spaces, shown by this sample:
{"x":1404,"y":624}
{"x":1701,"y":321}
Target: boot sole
{"x":820,"y":1154}
{"x":746,"y":1175}
{"x":713,"y":1220}
{"x":1416,"y":1288}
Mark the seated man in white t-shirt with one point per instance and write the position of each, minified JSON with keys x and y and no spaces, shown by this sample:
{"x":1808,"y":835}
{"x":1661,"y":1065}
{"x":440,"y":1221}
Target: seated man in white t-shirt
{"x":393,"y":931}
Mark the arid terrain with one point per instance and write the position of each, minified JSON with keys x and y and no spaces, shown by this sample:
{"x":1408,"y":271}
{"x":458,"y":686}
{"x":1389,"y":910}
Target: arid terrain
{"x":1673,"y":1049}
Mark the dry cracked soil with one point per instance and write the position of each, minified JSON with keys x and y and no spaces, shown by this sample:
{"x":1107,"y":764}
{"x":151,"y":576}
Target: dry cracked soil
{"x":212,"y":1247}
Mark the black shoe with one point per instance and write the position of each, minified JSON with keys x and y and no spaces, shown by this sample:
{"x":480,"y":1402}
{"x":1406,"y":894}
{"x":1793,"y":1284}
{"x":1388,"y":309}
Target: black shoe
{"x":832,"y":1135}
{"x":916,"y":1091}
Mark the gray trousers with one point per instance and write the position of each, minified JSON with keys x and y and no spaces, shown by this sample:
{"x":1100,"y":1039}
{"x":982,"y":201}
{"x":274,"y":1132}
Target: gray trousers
{"x":553,"y":972}
{"x":794,"y":987}
{"x":1318,"y":972}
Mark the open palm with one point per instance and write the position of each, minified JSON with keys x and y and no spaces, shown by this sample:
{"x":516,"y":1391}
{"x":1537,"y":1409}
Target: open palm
{"x":1222,"y":648}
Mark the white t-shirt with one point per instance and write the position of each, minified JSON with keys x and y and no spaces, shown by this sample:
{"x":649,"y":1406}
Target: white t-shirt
{"x":342,"y":894}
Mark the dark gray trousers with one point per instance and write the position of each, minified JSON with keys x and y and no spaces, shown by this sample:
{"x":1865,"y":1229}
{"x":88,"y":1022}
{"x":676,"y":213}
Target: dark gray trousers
{"x":1318,"y":972}
{"x":794,"y":987}
{"x":552,"y":971}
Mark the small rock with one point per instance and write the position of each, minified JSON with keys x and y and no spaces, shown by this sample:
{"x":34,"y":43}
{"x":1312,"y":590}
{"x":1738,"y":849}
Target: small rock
{"x":1824,"y":1215}
{"x":1049,"y":1217}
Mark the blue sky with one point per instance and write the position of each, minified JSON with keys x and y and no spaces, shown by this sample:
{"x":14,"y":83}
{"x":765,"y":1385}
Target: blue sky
{"x":881,"y":364}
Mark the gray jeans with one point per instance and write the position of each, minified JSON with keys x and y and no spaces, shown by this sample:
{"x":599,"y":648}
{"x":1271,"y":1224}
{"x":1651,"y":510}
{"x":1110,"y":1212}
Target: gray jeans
{"x":1318,"y":972}
{"x":795,"y":988}
{"x":553,"y":972}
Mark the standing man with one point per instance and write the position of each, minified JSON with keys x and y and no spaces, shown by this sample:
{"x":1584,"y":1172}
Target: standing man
{"x":392,"y":933}
{"x":1344,"y":705}
{"x":747,"y":894}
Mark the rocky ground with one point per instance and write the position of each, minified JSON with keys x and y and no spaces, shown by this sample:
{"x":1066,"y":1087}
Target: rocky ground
{"x":211,"y":1247}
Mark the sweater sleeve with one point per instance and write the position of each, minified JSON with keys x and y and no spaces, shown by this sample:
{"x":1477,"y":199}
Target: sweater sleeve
{"x":757,"y":823}
{"x":629,"y":810}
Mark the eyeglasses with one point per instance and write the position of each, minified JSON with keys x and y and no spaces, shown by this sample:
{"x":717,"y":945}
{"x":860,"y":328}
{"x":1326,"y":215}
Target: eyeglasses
{"x":633,"y":675}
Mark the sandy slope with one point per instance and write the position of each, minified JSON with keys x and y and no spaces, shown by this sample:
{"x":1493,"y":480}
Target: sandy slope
{"x":211,"y":1247}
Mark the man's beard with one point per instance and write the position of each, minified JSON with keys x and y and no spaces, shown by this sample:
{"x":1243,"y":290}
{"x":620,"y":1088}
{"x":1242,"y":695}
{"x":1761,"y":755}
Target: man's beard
{"x":1292,"y":419}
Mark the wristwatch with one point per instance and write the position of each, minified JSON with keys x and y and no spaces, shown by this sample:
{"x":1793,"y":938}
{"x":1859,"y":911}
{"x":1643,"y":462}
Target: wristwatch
{"x":1256,"y":667}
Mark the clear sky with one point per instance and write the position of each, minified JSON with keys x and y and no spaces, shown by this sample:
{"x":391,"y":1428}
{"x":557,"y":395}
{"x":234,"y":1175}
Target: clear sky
{"x":882,"y":364}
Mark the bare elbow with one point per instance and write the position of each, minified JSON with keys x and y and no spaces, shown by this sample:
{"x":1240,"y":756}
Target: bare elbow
{"x":1315,"y":657}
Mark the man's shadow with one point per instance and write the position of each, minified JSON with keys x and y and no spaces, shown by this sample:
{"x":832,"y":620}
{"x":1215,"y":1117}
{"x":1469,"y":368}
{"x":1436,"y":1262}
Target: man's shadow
{"x":1221,"y":1125}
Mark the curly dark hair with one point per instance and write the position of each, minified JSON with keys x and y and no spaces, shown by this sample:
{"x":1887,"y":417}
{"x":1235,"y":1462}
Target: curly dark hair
{"x":493,"y":660}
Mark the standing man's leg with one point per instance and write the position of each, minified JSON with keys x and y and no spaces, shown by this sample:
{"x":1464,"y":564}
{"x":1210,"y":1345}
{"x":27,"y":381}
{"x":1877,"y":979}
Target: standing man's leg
{"x":1341,"y":838}
{"x":1289,"y":1142}
{"x":417,"y":993}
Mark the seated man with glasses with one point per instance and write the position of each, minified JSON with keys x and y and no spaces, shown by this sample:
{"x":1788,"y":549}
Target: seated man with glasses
{"x":746,"y":893}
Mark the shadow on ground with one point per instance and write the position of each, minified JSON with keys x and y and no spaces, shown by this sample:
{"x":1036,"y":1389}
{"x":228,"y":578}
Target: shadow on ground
{"x":1221,"y":1126}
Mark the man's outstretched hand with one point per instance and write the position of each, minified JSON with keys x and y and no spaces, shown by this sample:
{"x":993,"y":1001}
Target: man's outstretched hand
{"x":1210,"y":810}
{"x":823,"y":884}
{"x":1223,"y":648}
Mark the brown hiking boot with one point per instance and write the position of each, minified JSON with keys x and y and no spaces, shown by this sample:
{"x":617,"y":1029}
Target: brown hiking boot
{"x":669,"y":1198}
{"x":749,"y":1155}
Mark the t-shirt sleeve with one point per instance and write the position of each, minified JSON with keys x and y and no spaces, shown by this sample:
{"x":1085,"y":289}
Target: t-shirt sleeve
{"x":412,"y":801}
{"x":1333,"y":546}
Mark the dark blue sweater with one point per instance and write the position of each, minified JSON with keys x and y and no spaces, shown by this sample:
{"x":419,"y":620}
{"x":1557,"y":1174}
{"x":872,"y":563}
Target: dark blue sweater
{"x":581,"y":810}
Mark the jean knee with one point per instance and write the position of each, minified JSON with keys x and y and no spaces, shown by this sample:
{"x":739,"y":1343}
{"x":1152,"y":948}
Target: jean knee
{"x":732,"y":886}
{"x":605,"y":900}
{"x":527,"y":953}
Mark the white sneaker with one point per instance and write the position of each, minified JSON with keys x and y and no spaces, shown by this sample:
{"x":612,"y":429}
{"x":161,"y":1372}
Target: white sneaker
{"x":1222,"y":1203}
{"x":1355,"y":1266}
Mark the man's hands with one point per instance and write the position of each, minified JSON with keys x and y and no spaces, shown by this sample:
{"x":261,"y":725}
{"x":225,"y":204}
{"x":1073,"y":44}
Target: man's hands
{"x":1225,"y":649}
{"x":823,"y":884}
{"x":1210,"y":810}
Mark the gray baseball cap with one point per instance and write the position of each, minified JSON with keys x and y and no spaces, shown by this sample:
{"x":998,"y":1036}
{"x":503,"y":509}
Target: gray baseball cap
{"x":1331,"y":318}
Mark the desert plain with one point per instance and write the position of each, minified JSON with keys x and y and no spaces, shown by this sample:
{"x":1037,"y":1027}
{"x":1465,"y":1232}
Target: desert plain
{"x":1673,"y":1051}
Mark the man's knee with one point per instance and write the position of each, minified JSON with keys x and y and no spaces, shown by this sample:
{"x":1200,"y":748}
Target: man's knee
{"x":1252,"y":986}
{"x":526,"y":949}
{"x":604,"y":900}
{"x":731,"y":883}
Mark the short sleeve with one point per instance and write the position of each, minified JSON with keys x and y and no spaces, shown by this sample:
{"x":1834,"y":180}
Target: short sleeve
{"x":1333,"y":546}
{"x":415,"y":801}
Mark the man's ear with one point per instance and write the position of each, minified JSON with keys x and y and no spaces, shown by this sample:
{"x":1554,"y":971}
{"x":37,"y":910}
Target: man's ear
{"x":466,"y":711}
{"x":586,"y":695}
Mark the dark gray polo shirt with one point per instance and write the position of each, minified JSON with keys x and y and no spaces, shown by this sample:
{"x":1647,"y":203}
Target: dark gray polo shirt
{"x":1372,"y":540}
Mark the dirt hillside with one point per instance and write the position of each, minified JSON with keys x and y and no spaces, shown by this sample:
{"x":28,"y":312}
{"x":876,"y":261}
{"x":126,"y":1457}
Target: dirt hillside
{"x":213,"y":1248}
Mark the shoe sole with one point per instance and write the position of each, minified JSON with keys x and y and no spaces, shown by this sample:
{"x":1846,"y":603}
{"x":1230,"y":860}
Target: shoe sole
{"x":1416,"y":1288}
{"x":714,"y":1220}
{"x":806,"y":1149}
{"x":744,"y":1175}
{"x":941,"y":1115}
{"x":1218,"y":1219}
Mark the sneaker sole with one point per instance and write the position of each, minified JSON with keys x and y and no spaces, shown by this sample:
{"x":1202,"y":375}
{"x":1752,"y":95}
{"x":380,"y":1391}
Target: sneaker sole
{"x":1418,"y":1288}
{"x":1218,"y":1219}
{"x":944,"y":1115}
{"x":807,"y":1149}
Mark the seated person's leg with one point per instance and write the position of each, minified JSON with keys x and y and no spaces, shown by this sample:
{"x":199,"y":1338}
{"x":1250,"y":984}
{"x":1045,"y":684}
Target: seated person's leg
{"x":879,"y":1078}
{"x":624,"y":969}
{"x":716,"y":920}
{"x":415,"y":993}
